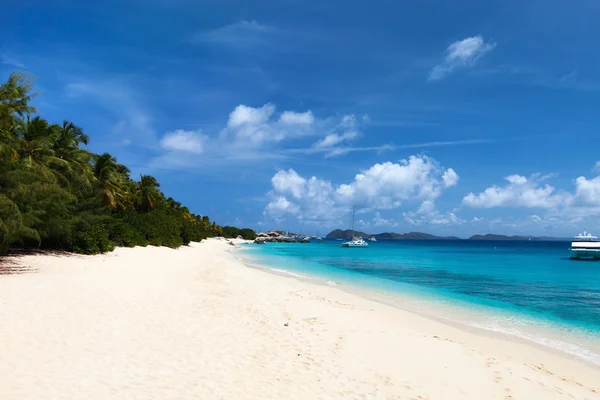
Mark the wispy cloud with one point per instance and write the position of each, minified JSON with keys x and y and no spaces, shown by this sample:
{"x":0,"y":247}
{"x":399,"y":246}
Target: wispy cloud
{"x":533,"y":76}
{"x":386,"y":147}
{"x":242,"y":33}
{"x":12,"y":61}
{"x":461,"y":54}
{"x":443,"y":143}
{"x":132,"y":121}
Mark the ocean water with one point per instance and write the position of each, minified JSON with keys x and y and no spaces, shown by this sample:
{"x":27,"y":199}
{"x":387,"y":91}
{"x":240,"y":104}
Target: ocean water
{"x":529,"y":290}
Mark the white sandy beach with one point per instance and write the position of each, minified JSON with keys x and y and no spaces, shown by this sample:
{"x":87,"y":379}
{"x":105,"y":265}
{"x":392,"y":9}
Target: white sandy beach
{"x":195,"y":323}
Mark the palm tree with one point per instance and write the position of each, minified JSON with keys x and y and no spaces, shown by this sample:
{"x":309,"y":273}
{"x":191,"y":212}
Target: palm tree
{"x":147,"y":193}
{"x":66,"y":140}
{"x":32,"y":148}
{"x":15,"y":95}
{"x":111,"y":183}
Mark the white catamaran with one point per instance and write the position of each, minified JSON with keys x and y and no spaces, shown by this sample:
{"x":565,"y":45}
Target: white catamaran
{"x":356,"y":241}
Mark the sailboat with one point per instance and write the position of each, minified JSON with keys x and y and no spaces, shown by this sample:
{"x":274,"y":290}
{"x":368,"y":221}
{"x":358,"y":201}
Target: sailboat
{"x":356,"y":241}
{"x":316,"y":238}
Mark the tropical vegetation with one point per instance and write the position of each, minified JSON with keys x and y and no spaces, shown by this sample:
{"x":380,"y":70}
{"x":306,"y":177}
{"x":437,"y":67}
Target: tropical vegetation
{"x":57,"y":194}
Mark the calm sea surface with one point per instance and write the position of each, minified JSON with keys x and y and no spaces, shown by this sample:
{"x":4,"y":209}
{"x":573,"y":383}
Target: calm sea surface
{"x":527,"y":289}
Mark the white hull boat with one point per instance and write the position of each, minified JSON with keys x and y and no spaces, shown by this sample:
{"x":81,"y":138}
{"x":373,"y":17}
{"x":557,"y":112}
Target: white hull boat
{"x":585,"y":246}
{"x":356,"y":241}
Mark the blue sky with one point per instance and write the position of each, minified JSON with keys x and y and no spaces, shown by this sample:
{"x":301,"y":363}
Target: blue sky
{"x":449,"y":118}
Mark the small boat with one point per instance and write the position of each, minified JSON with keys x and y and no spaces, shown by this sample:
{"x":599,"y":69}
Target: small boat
{"x":372,"y":239}
{"x":356,"y":241}
{"x":585,"y":245}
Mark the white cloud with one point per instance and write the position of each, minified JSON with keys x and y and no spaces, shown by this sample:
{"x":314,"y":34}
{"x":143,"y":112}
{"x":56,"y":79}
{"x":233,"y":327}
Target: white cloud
{"x":244,"y":115}
{"x":587,"y":192}
{"x":379,"y":221}
{"x":186,"y":141}
{"x":461,"y":54}
{"x":426,"y":214}
{"x":290,"y":117}
{"x":289,"y":183}
{"x":253,"y":134}
{"x":597,"y":166}
{"x":345,"y":131}
{"x":382,"y":186}
{"x":450,"y":177}
{"x":426,"y":207}
{"x":280,"y":207}
{"x":562,"y":207}
{"x":450,"y":218}
{"x":334,"y":139}
{"x":519,"y":192}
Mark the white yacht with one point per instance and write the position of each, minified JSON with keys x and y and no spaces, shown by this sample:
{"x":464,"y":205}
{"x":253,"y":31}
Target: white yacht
{"x":372,"y":239}
{"x":356,"y":241}
{"x":585,"y":245}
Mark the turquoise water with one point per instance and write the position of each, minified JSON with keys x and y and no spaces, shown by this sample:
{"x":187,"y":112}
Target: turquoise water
{"x":527,"y":289}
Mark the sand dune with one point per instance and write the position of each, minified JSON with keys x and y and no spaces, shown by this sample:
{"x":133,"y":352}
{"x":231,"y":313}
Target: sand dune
{"x":195,"y":323}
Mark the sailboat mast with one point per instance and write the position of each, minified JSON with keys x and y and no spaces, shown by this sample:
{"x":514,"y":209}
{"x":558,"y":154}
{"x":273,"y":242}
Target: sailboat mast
{"x":353,"y":215}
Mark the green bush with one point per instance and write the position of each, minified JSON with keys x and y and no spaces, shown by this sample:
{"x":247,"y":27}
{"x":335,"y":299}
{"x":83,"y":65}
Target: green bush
{"x":92,"y":241}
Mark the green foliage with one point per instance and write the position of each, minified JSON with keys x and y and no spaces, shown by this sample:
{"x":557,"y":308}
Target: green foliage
{"x":12,"y":229}
{"x":233,"y":232}
{"x":55,"y":194}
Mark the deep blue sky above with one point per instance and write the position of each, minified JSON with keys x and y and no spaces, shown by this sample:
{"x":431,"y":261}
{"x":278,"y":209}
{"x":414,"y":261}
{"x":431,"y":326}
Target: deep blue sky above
{"x":449,"y":118}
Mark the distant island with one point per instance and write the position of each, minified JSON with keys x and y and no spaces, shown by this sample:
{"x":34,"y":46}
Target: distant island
{"x":346,"y":234}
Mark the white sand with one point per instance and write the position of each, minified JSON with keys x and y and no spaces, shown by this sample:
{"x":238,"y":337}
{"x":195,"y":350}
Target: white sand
{"x":194,"y":323}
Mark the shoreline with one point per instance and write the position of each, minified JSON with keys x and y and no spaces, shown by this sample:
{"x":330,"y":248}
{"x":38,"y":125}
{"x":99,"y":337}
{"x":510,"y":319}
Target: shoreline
{"x":395,"y":299}
{"x":371,"y":295}
{"x":196,"y":322}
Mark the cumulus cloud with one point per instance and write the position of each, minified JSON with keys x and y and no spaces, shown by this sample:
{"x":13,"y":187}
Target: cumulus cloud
{"x":450,"y":218}
{"x":569,"y":207}
{"x":426,"y":207}
{"x":382,"y":186}
{"x":450,"y":178}
{"x":244,"y":115}
{"x":587,"y":192}
{"x":519,"y":192}
{"x":292,"y":118}
{"x":256,"y":133}
{"x":461,"y":54}
{"x":185,"y":141}
{"x":379,"y":221}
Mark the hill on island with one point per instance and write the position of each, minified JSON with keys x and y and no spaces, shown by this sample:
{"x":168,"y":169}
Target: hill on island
{"x":347,"y":234}
{"x":491,"y":236}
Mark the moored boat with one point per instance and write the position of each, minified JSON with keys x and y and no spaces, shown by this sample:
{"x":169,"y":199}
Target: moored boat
{"x":585,"y":245}
{"x":356,"y":241}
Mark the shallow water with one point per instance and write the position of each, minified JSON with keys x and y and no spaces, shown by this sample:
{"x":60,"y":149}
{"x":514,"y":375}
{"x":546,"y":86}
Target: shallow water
{"x":530,"y":290}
